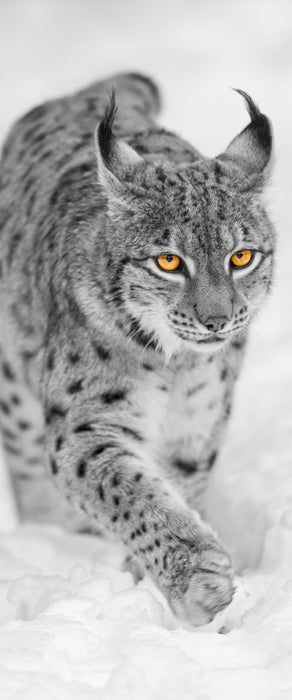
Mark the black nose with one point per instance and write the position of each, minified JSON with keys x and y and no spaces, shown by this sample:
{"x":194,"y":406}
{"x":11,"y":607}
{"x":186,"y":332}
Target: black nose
{"x":217,"y":323}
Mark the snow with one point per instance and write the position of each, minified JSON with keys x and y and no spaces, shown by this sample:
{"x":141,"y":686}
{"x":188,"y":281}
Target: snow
{"x":73,"y":626}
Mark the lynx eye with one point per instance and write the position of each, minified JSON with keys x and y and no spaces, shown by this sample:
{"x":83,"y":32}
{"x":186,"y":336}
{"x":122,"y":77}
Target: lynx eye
{"x":168,"y":262}
{"x":242,"y":258}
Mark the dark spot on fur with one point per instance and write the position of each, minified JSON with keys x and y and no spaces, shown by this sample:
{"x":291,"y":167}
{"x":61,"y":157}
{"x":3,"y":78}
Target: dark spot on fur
{"x":142,"y":148}
{"x":238,"y":344}
{"x":55,"y":411}
{"x":54,"y":466}
{"x":126,"y":515}
{"x":30,"y":203}
{"x":23,"y":424}
{"x":11,"y":449}
{"x":224,"y":374}
{"x":116,"y":480}
{"x":217,"y":171}
{"x":138,"y":476}
{"x":115,"y":518}
{"x":15,"y":400}
{"x":132,"y":535}
{"x":143,"y":527}
{"x":51,"y":359}
{"x":101,"y":448}
{"x":131,"y":433}
{"x":73,"y":357}
{"x":160,"y":174}
{"x":13,"y":245}
{"x":29,"y":355}
{"x":227,"y":410}
{"x":101,"y":492}
{"x":186,"y":466}
{"x":59,"y":442}
{"x":195,"y":389}
{"x":165,"y":562}
{"x":81,"y":469}
{"x":75,"y":387}
{"x":8,"y":434}
{"x":211,"y":460}
{"x":116,"y":500}
{"x":24,"y":476}
{"x":156,"y":561}
{"x":111,"y":396}
{"x":5,"y":408}
{"x":8,"y":372}
{"x":101,"y":352}
{"x":138,"y":532}
{"x":39,"y":440}
{"x":83,"y":428}
{"x":28,"y":183}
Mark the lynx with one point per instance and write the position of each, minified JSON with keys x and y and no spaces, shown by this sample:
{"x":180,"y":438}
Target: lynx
{"x":131,"y":268}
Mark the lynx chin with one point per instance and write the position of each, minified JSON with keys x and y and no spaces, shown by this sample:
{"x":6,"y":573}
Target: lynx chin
{"x":131,"y":268}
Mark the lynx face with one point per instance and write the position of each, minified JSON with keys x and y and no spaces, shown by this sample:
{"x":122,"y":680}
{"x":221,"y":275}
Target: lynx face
{"x":203,"y":264}
{"x":191,"y":247}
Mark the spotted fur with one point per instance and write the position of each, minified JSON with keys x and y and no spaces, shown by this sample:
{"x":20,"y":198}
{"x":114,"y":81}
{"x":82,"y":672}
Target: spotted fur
{"x":117,"y":377}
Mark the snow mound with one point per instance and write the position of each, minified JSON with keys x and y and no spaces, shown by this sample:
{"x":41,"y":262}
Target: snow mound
{"x":73,"y":625}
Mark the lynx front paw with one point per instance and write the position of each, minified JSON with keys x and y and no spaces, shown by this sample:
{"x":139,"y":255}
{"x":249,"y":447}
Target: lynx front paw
{"x":202,"y":583}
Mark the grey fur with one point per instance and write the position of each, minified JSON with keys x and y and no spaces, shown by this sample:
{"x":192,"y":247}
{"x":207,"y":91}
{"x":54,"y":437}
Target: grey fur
{"x":112,"y":386}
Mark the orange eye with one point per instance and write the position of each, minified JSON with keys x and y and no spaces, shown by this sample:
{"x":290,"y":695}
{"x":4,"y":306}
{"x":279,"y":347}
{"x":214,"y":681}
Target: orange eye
{"x":241,"y":258}
{"x":168,"y":262}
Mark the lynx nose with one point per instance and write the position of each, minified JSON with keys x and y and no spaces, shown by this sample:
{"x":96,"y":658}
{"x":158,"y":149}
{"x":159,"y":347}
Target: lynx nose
{"x":217,"y":323}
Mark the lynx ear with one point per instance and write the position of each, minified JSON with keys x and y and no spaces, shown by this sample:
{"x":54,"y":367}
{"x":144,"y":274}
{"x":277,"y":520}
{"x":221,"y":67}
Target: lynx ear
{"x":252,"y":148}
{"x":117,"y":162}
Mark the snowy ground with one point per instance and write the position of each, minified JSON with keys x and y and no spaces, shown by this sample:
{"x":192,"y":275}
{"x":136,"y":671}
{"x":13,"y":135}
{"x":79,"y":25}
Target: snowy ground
{"x":73,"y":627}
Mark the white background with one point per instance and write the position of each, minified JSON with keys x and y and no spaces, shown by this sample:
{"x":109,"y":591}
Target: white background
{"x":71,"y":625}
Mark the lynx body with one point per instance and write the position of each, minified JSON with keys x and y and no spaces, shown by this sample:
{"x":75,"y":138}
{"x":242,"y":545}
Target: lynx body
{"x":123,"y":323}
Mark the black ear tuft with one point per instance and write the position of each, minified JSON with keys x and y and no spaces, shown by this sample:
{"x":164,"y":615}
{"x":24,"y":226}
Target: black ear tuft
{"x":260,"y":124}
{"x":252,"y":109}
{"x":105,"y":134}
{"x":115,"y":159}
{"x":252,"y":148}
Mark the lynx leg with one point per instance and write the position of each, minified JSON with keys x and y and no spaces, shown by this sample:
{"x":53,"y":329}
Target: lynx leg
{"x":23,"y":437}
{"x":123,"y":495}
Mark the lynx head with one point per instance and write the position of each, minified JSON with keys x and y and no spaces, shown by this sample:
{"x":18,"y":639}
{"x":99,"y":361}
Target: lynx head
{"x":190,"y":246}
